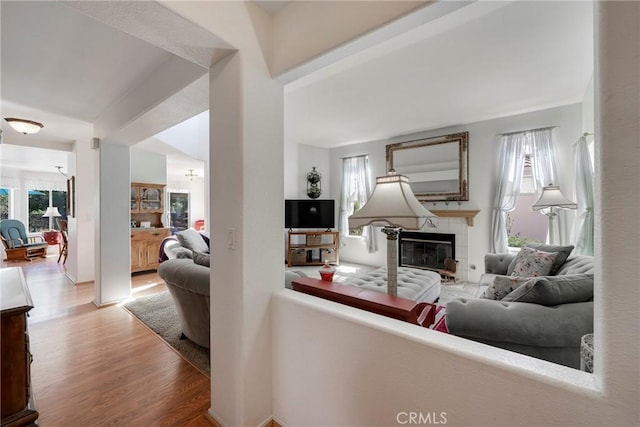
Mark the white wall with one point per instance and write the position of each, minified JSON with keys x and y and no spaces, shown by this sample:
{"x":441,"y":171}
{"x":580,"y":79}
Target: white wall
{"x":148,"y":167}
{"x":361,"y":369}
{"x":483,"y":155}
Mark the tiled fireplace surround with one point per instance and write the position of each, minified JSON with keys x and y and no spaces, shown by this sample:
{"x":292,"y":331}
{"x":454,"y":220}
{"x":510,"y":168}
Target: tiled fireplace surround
{"x":459,"y":228}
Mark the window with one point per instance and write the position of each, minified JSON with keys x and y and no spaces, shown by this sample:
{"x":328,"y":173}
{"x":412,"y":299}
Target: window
{"x":355,"y":191}
{"x":524,"y":225}
{"x":39,"y":201}
{"x":4,"y":203}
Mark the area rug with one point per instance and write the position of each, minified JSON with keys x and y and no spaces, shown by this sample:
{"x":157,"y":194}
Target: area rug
{"x":159,"y":314}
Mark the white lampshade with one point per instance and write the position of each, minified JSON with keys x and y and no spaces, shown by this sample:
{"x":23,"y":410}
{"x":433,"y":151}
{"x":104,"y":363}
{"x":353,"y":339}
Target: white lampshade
{"x":552,"y":197}
{"x":392,"y":203}
{"x":24,"y":126}
{"x":52,"y":211}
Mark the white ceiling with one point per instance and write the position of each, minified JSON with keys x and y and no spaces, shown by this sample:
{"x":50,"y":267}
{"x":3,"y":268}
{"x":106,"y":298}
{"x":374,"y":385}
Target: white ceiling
{"x":486,"y":60}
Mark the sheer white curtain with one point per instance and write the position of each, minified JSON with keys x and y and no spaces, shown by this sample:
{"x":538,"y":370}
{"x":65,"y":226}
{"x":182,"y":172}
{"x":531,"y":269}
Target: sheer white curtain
{"x":510,"y":165}
{"x":513,"y":147}
{"x":356,"y":188}
{"x":584,"y":196}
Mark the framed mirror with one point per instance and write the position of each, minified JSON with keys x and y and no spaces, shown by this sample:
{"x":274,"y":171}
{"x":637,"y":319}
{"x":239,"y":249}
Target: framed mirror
{"x":437,"y":167}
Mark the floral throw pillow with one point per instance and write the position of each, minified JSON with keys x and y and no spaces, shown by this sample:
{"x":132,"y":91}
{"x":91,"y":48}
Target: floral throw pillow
{"x":532,"y":263}
{"x":502,"y":286}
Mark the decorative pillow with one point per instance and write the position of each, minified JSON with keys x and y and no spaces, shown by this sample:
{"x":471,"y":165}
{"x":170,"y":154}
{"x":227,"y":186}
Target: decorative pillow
{"x":191,"y":239}
{"x":532,"y":263}
{"x":554,"y":290}
{"x":502,"y":286}
{"x":202,"y":259}
{"x":562,"y":252}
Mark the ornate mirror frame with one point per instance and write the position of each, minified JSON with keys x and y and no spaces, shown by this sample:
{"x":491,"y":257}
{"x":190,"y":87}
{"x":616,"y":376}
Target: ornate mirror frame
{"x":438,"y":180}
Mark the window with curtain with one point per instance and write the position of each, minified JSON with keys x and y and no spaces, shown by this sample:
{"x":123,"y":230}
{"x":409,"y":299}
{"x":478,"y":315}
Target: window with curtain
{"x":356,"y":188}
{"x":514,"y":149}
{"x":524,"y":225}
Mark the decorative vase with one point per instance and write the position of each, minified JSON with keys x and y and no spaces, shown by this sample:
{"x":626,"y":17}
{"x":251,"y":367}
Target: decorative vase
{"x":314,"y":189}
{"x":326,"y":272}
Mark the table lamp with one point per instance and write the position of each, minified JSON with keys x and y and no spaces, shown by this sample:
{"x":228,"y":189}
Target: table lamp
{"x":550,"y":198}
{"x":51,"y":212}
{"x":394,"y":206}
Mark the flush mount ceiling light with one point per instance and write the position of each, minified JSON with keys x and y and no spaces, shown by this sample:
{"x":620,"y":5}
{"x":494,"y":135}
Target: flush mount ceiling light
{"x":24,"y":126}
{"x":191,"y":175}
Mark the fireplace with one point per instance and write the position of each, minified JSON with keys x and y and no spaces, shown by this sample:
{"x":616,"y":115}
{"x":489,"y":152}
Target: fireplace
{"x":425,"y":250}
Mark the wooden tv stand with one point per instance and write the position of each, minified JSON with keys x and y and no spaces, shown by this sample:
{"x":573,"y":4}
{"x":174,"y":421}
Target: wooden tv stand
{"x":418,"y":313}
{"x":312,"y":247}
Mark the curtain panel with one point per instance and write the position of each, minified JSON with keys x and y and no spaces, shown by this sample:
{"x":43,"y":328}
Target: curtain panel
{"x":356,"y":189}
{"x":584,"y":199}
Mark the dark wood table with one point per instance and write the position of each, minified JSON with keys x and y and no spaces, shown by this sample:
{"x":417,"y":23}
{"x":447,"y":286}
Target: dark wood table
{"x":418,"y":313}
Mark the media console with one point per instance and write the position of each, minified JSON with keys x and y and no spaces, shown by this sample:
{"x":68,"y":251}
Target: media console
{"x":312,"y":247}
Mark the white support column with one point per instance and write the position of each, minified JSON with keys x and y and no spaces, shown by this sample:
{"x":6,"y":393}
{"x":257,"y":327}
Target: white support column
{"x":246,"y":158}
{"x":113,"y":235}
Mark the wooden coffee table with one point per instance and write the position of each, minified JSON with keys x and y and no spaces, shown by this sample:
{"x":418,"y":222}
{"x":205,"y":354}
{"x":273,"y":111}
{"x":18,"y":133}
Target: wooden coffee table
{"x":418,"y":313}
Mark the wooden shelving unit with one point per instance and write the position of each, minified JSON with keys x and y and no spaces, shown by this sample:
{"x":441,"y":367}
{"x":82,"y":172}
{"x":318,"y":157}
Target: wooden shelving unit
{"x":312,"y":247}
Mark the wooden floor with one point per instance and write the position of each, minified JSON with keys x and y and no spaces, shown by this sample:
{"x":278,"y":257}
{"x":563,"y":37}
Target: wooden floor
{"x":99,"y":367}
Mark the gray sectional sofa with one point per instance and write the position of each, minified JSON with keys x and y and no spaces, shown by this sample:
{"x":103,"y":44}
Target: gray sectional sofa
{"x":545,"y":318}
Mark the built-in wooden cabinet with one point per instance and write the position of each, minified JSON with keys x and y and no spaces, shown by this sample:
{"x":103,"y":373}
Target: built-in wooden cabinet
{"x":145,"y":248}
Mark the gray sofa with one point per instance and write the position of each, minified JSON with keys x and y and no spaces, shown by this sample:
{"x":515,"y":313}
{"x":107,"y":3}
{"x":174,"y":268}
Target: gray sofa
{"x":544,"y":330}
{"x":188,"y":282}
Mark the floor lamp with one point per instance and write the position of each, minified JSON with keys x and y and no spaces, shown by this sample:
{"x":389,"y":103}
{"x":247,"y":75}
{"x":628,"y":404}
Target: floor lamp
{"x":394,"y":206}
{"x":551,"y":199}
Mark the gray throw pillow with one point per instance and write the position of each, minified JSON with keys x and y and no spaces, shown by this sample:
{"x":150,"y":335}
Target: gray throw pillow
{"x":202,"y":259}
{"x":502,"y":286}
{"x":554,"y":290}
{"x":191,"y":239}
{"x":562,"y":251}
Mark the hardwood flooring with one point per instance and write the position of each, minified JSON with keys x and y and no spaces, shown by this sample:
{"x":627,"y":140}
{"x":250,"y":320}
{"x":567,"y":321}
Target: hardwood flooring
{"x":103,"y":367}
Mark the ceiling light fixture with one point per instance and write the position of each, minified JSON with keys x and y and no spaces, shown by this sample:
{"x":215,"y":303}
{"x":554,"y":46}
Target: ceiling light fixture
{"x":190,"y":175}
{"x":24,"y":126}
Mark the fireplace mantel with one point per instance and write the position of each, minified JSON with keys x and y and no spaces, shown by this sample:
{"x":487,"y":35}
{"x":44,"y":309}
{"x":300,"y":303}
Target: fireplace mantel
{"x":468,"y":215}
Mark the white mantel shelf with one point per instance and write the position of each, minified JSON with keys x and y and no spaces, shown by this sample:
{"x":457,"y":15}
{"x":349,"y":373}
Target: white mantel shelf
{"x":468,"y":215}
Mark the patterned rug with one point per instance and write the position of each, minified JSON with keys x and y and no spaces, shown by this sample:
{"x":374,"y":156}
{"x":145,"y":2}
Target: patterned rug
{"x":159,"y":314}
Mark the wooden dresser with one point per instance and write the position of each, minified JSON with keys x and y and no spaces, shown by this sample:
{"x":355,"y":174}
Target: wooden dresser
{"x":17,"y":406}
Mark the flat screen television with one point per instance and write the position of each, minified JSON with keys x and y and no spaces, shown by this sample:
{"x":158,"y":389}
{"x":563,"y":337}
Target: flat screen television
{"x":309,"y":213}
